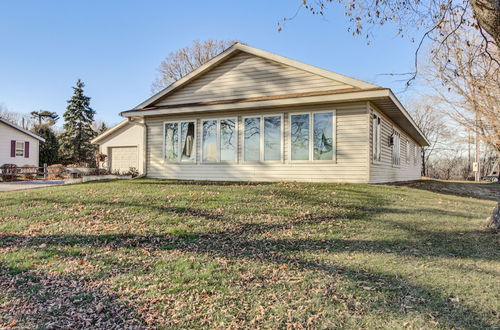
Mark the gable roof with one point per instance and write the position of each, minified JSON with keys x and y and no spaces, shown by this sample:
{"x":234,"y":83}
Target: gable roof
{"x":352,"y":90}
{"x":110,"y":131}
{"x":8,"y":123}
{"x":239,"y":47}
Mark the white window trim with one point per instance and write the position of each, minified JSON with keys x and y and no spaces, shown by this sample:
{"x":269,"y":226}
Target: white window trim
{"x":377,"y":149}
{"x":218,"y":119}
{"x":178,"y":122}
{"x":311,"y":137}
{"x":261,"y":139}
{"x":398,"y":133}
{"x":22,"y":148}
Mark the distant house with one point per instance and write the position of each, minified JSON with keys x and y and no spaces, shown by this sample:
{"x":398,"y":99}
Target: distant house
{"x":248,"y":114}
{"x":17,"y":145}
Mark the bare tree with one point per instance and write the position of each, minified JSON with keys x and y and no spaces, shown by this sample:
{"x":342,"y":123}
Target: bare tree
{"x":433,"y":18}
{"x":20,"y":119}
{"x":466,"y":84}
{"x":179,"y":63}
{"x":431,"y":121}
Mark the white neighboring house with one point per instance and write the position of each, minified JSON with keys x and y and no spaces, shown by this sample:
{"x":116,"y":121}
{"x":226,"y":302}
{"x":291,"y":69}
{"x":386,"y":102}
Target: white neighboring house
{"x":17,"y":145}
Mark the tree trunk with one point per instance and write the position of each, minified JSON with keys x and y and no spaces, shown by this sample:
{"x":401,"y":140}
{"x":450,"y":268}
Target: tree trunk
{"x":494,"y":220}
{"x":487,"y":13}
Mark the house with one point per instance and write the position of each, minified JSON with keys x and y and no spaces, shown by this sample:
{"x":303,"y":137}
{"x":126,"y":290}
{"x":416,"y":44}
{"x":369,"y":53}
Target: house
{"x":17,"y":145}
{"x":248,"y":114}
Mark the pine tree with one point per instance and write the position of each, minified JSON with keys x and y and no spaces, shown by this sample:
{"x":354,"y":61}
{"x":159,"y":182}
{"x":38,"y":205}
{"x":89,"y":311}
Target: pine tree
{"x":49,"y":150}
{"x":75,"y":143}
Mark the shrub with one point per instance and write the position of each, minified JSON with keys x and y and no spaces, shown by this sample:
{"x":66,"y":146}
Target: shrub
{"x":9,"y":172}
{"x":28,"y":172}
{"x":132,"y":171}
{"x":56,"y":171}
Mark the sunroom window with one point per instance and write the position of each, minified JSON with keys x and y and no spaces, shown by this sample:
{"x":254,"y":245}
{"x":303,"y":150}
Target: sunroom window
{"x":316,"y":127}
{"x":262,"y":138}
{"x":180,"y":141}
{"x":219,"y":142}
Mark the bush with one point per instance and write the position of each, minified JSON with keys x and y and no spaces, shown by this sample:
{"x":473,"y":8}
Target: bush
{"x":132,"y":171}
{"x":28,"y":172}
{"x":56,"y":171}
{"x":9,"y":172}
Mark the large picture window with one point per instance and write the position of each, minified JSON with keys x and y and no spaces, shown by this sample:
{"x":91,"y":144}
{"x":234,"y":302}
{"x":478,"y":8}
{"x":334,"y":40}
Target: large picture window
{"x":312,"y":136}
{"x":299,"y":136}
{"x":251,"y":135}
{"x":220,"y":140}
{"x":262,"y":138}
{"x":273,"y":138}
{"x":228,"y":139}
{"x":376,"y":138}
{"x":180,"y":141}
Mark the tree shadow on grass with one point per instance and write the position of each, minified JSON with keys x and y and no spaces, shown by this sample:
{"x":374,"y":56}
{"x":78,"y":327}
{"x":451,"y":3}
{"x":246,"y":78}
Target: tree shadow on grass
{"x":483,"y":191}
{"x":38,"y":300}
{"x":237,"y":241}
{"x":288,"y":252}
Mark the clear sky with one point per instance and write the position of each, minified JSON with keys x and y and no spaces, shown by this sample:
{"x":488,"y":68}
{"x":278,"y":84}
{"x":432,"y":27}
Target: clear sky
{"x":115,"y":47}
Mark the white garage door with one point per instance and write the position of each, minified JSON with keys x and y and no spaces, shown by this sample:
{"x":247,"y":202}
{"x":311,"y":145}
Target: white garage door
{"x":123,"y":158}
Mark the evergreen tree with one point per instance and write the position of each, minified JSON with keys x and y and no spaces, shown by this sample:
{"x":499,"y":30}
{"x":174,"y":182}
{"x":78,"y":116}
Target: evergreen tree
{"x":75,"y":143}
{"x":102,"y":128}
{"x":49,"y":150}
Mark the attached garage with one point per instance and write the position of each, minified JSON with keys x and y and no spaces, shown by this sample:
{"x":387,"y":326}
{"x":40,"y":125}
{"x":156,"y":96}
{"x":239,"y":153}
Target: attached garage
{"x":121,"y":159}
{"x":124,"y":147}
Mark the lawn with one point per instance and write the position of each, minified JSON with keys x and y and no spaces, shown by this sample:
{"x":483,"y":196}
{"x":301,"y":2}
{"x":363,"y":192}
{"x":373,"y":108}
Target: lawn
{"x":153,"y":253}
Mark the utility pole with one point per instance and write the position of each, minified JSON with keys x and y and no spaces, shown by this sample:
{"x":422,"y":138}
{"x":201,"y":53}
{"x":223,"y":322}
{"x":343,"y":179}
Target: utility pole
{"x":468,"y":154}
{"x":477,"y":163}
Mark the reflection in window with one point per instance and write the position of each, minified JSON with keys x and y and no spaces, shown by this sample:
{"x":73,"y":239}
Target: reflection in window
{"x":323,"y":136}
{"x":171,"y":142}
{"x":299,"y":125}
{"x":272,"y":138}
{"x":209,"y":149}
{"x":252,"y":139}
{"x":227,"y":140}
{"x":187,"y":142}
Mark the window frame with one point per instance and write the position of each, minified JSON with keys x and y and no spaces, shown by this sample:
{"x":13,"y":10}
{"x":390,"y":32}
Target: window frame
{"x":395,"y":145}
{"x":415,"y":154}
{"x":262,"y":137}
{"x":376,"y":131}
{"x":311,"y":137}
{"x":179,"y":141}
{"x":218,"y":139}
{"x":407,"y":151}
{"x":22,"y":148}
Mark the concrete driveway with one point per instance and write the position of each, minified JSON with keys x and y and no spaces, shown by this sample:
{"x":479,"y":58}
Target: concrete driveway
{"x":23,"y":185}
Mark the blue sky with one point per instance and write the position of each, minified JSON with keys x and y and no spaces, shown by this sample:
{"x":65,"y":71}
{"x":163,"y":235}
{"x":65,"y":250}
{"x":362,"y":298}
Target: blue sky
{"x":115,"y":47}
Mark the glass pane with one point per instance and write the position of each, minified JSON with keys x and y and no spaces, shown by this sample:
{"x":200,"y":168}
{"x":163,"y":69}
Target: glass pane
{"x":299,"y":127}
{"x":323,"y":136}
{"x":209,"y":141}
{"x":171,"y":142}
{"x":228,"y":140}
{"x":252,"y":139}
{"x":272,"y":138}
{"x":187,"y":142}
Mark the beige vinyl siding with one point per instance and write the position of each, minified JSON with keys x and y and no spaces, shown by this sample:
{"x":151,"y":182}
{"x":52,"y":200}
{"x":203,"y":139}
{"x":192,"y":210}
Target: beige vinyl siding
{"x":132,"y":135}
{"x":245,"y":75}
{"x":384,"y":171}
{"x":351,"y":144}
